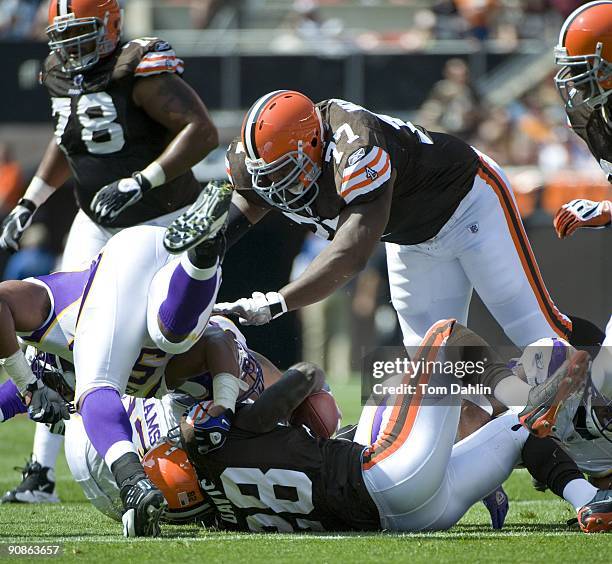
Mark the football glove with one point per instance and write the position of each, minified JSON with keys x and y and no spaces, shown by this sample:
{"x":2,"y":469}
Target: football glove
{"x":114,"y":198}
{"x":45,"y":405}
{"x":210,"y":431}
{"x":15,"y":224}
{"x":256,"y":310}
{"x":582,"y":213}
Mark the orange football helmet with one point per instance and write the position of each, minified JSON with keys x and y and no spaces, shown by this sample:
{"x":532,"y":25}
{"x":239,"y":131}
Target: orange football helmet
{"x":83,"y":31}
{"x":282,"y":135}
{"x":585,"y":53}
{"x":168,"y":467}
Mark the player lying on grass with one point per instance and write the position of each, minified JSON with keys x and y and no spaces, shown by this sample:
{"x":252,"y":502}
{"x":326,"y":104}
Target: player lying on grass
{"x":270,"y":477}
{"x":584,"y":423}
{"x":120,"y":322}
{"x":152,"y":418}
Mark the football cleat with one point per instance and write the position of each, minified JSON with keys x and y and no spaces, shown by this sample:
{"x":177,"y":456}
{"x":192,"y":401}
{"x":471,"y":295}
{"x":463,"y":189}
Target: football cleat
{"x":144,"y":505}
{"x":37,"y":485}
{"x":596,"y":516}
{"x":202,"y":221}
{"x":546,"y":399}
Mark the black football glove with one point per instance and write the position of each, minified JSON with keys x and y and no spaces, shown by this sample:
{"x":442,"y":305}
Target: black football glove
{"x":45,"y":405}
{"x":15,"y":224}
{"x":210,"y":432}
{"x":114,"y":198}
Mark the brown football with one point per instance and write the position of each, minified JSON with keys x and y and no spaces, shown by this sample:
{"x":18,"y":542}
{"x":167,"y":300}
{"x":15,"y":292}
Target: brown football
{"x":320,"y":413}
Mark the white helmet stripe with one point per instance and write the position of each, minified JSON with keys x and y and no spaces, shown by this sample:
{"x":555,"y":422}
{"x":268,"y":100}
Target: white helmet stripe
{"x":573,"y":16}
{"x":63,"y":7}
{"x":251,"y":119}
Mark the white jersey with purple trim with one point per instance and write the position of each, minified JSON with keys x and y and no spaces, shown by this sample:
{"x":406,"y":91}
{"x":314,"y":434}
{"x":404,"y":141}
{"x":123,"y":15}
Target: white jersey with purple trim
{"x":95,"y":290}
{"x":580,"y":429}
{"x":151,"y":419}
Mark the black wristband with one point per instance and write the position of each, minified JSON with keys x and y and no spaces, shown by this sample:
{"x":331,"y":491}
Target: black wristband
{"x":276,"y":309}
{"x":145,"y":185}
{"x":28,"y":204}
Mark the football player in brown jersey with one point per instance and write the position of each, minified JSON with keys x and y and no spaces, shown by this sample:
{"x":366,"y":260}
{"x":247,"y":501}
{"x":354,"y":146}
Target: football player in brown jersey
{"x":128,"y":129}
{"x":584,"y":81}
{"x":402,"y":471}
{"x":445,"y":211}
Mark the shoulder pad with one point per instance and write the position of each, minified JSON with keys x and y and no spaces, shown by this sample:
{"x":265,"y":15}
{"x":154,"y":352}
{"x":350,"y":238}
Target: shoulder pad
{"x":149,"y":56}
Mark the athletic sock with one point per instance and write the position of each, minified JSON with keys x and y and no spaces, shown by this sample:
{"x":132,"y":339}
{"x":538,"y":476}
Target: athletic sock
{"x":579,"y":492}
{"x":548,"y":463}
{"x":107,"y":424}
{"x":47,"y":446}
{"x":190,"y":292}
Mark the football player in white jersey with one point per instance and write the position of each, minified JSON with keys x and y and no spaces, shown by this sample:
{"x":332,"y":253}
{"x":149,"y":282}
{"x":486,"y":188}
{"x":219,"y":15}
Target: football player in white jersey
{"x":120,"y":322}
{"x":584,"y":424}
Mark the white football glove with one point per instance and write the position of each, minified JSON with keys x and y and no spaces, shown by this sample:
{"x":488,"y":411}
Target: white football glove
{"x":582,"y":213}
{"x":15,"y":224}
{"x":257,"y":310}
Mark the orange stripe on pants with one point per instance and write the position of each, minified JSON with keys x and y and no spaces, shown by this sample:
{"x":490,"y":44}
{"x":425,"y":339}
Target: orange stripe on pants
{"x":403,"y":416}
{"x":558,"y":322}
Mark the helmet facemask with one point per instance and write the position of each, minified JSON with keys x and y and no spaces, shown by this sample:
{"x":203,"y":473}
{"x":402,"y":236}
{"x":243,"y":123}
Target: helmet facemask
{"x":288,"y":183}
{"x":79,"y":42}
{"x":585,"y":74}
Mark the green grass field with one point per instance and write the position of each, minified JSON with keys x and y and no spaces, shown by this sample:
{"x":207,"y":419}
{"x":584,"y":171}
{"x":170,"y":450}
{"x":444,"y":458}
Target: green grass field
{"x":535,"y":529}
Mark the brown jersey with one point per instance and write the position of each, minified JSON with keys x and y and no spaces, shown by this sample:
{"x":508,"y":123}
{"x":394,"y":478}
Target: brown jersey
{"x":592,"y":126}
{"x":286,"y":480}
{"x":434,"y":172}
{"x":106,"y":136}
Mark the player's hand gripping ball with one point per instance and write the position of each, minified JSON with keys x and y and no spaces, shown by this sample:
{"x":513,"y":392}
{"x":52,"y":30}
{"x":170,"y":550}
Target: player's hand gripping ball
{"x":210,"y":431}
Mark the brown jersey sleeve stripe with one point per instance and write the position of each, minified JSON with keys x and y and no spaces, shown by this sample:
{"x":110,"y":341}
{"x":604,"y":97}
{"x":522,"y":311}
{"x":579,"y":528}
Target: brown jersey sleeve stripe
{"x":403,"y":416}
{"x":558,"y":322}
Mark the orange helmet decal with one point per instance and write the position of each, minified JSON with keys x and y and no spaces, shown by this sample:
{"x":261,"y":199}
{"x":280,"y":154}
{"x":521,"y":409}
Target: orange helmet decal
{"x":282,"y":134}
{"x":168,"y":467}
{"x":584,"y":52}
{"x":82,"y":31}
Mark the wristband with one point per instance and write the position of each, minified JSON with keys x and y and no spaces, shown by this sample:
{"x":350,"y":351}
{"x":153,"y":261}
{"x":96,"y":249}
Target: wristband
{"x":155,"y":174}
{"x":276,"y":303}
{"x":38,"y":191}
{"x":226,"y":388}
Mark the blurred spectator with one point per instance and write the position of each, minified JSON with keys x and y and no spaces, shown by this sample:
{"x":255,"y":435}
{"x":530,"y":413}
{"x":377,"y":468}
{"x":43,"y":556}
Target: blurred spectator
{"x":17,"y":18}
{"x":453,"y":103}
{"x":309,"y":29}
{"x":478,"y":14}
{"x":34,"y":257}
{"x":11,"y":180}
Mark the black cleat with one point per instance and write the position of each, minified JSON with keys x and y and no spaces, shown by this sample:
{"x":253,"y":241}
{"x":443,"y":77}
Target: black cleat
{"x":596,"y":516}
{"x":202,"y":221}
{"x":37,"y":485}
{"x":546,"y":399}
{"x":144,"y":505}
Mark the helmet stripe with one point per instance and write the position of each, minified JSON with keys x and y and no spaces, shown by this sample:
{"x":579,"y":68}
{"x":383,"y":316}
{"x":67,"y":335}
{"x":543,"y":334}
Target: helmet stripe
{"x":570,"y":19}
{"x":250,"y":121}
{"x":62,"y":8}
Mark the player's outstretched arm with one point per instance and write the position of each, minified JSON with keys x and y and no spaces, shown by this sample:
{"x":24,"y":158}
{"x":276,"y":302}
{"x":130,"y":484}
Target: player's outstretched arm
{"x":171,"y":102}
{"x":279,"y":401}
{"x":52,"y":172}
{"x":360,"y":228}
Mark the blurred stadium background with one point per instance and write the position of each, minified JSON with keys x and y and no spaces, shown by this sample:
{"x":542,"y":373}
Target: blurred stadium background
{"x":480,"y":69}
